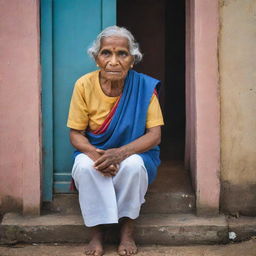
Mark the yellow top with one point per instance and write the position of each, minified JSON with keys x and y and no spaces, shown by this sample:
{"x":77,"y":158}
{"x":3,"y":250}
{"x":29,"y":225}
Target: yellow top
{"x":90,"y":105}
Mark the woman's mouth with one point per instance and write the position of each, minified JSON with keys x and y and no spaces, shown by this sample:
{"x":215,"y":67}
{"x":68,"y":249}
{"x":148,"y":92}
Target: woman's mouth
{"x":113,"y":72}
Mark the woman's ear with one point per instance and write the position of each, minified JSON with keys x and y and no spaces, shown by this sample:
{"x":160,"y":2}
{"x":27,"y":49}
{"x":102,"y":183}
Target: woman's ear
{"x":96,"y":61}
{"x":132,"y":64}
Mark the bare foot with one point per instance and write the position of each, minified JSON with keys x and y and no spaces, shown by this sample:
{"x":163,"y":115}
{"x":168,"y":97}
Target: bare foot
{"x":127,"y":244}
{"x":95,"y":246}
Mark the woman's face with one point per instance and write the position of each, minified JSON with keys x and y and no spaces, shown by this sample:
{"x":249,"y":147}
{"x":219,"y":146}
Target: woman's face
{"x":114,"y":58}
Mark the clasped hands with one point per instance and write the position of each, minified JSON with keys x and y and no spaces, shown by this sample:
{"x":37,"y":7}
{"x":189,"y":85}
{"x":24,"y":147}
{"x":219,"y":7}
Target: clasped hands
{"x":108,"y":162}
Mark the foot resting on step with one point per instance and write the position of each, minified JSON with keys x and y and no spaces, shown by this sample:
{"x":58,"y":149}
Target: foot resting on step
{"x":127,"y":244}
{"x":95,"y":246}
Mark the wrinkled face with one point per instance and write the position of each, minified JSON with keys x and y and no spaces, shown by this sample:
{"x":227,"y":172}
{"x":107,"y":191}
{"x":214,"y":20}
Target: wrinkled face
{"x":114,"y":58}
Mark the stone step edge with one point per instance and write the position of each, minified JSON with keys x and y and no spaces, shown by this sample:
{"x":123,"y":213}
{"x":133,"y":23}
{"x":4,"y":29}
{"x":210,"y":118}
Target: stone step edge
{"x":170,"y":229}
{"x":175,"y":203}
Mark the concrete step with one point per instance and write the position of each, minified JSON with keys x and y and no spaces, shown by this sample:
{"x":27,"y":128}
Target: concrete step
{"x":247,"y":248}
{"x":171,"y":193}
{"x":165,"y":229}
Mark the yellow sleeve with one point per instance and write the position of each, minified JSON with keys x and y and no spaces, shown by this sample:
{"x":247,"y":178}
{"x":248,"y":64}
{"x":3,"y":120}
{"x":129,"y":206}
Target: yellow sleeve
{"x":154,"y":115}
{"x":78,"y":111}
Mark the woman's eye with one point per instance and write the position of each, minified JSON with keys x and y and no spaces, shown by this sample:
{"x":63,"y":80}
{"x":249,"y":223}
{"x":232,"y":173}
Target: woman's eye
{"x":105,"y":52}
{"x":123,"y":53}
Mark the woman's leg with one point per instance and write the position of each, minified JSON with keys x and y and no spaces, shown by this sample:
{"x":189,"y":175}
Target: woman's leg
{"x":97,"y":195}
{"x":131,"y":183}
{"x":97,"y":200}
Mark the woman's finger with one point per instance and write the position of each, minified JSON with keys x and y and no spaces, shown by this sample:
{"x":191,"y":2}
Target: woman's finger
{"x":100,"y":151}
{"x":108,"y":172}
{"x":112,"y":167}
{"x":99,"y":161}
{"x":102,"y":165}
{"x":104,"y":159}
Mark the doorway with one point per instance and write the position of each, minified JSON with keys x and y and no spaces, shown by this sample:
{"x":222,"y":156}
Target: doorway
{"x":159,"y":27}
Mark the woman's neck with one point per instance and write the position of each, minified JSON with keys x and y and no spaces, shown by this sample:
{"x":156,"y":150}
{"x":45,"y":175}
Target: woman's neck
{"x":112,"y":88}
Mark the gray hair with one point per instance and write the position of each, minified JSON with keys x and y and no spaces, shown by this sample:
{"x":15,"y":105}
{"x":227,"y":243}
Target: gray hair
{"x":93,"y":51}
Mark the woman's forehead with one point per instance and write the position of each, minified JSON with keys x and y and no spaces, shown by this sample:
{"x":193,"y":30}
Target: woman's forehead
{"x":114,"y":42}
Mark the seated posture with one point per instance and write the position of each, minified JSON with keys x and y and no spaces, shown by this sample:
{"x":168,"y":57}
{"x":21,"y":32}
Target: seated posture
{"x":114,"y":122}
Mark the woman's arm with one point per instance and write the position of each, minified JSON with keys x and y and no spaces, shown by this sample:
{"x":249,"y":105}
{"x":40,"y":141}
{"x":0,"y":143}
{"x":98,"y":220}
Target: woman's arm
{"x":140,"y":145}
{"x":80,"y":142}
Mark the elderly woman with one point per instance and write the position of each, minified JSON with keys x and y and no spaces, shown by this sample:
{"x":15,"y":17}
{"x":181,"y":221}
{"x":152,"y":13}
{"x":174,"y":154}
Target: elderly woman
{"x":114,"y":122}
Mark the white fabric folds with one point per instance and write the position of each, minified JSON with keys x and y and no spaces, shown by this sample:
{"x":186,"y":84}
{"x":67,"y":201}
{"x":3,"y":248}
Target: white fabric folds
{"x":104,"y":200}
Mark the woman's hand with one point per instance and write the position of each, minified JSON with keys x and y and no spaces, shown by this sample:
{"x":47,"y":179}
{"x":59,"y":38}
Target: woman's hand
{"x":80,"y":142}
{"x":110,"y":171}
{"x":109,"y":157}
{"x":117,"y":155}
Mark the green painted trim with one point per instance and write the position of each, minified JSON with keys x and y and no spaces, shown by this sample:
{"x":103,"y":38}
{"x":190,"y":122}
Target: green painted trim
{"x":47,"y":97}
{"x":108,"y":13}
{"x":62,"y":177}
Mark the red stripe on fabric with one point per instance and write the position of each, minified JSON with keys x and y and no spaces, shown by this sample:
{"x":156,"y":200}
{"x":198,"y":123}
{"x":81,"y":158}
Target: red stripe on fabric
{"x":72,"y":186}
{"x":155,"y":92}
{"x":107,"y":121}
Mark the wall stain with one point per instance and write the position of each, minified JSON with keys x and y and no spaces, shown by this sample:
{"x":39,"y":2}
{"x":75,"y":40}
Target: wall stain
{"x":238,"y":199}
{"x":10,"y":204}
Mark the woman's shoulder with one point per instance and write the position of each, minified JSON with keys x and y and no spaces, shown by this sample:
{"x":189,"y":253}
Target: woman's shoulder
{"x":146,"y":82}
{"x":143,"y":76}
{"x":88,"y":78}
{"x":87,"y":81}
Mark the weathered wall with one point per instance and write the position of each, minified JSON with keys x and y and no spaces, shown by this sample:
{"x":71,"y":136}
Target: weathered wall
{"x":19,"y":106}
{"x":238,"y":105}
{"x":203,"y":107}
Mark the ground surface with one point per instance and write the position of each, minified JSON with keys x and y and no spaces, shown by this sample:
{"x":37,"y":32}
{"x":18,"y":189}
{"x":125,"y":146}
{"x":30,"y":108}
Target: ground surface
{"x":247,"y":248}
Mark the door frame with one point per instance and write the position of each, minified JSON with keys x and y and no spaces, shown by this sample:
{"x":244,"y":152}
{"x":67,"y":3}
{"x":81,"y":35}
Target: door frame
{"x":202,"y":155}
{"x":202,"y":150}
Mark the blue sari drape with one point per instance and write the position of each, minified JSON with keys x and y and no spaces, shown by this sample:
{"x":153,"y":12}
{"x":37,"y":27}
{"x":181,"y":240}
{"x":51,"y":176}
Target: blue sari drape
{"x":129,"y":120}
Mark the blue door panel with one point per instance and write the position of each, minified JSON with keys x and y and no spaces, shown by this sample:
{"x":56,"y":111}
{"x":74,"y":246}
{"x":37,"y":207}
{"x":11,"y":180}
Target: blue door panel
{"x":74,"y":25}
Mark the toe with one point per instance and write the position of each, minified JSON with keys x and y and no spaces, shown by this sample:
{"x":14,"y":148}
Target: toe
{"x":87,"y":251}
{"x":130,"y":252}
{"x":134,"y":250}
{"x":122,"y":252}
{"x":98,"y":253}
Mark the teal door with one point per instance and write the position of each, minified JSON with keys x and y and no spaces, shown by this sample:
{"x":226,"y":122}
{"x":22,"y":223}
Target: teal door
{"x":67,"y":29}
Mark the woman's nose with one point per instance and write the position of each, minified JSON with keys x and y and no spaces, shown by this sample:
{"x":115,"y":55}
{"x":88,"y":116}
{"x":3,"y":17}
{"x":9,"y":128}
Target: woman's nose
{"x":114,"y":60}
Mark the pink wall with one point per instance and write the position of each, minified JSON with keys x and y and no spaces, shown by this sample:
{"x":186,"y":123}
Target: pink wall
{"x":20,"y":154}
{"x":203,"y":109}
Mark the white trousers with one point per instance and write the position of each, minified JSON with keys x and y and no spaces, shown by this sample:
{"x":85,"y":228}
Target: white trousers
{"x":104,"y":200}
